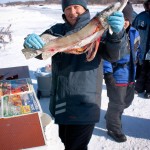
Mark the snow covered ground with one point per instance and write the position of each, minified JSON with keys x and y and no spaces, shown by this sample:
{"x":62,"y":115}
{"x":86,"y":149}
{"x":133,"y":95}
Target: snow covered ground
{"x":36,"y":19}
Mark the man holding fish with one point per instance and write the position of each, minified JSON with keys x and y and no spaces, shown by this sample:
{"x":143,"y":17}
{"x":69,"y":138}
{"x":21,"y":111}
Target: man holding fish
{"x":77,"y":83}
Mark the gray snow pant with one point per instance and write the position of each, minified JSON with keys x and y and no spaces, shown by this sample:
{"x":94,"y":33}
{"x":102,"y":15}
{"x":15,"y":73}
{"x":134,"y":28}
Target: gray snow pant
{"x":120,"y":97}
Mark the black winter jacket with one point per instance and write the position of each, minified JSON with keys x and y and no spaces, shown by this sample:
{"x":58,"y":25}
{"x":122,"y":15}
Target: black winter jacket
{"x":142,"y":24}
{"x":76,"y":83}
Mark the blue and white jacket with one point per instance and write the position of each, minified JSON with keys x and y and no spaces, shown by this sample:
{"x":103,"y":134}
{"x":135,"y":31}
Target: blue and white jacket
{"x":124,"y":70}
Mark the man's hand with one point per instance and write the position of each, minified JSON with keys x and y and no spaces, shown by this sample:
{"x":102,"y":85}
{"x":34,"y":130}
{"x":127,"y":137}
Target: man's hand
{"x":116,"y":21}
{"x":33,"y":41}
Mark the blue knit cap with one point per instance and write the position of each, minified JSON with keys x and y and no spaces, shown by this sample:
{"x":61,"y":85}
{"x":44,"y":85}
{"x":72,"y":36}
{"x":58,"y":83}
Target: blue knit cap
{"x":66,"y":3}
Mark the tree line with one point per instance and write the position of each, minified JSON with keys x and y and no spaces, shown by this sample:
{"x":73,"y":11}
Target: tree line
{"x":97,"y":1}
{"x":90,"y":2}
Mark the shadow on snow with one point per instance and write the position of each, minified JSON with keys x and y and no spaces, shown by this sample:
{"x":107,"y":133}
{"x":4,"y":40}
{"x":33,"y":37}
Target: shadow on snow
{"x":132,"y":126}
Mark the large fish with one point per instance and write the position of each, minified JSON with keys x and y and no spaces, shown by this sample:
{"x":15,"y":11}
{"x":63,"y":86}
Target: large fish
{"x":85,"y":40}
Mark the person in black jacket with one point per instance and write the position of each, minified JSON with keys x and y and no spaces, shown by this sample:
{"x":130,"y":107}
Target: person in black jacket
{"x":76,"y":83}
{"x":142,"y":24}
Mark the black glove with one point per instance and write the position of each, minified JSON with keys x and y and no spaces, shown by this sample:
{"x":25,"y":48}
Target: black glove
{"x":109,"y":79}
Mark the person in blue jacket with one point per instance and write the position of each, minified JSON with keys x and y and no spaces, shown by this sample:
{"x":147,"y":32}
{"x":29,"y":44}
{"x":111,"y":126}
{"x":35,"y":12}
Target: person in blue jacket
{"x":119,"y":78}
{"x":142,"y":24}
{"x":76,"y":83}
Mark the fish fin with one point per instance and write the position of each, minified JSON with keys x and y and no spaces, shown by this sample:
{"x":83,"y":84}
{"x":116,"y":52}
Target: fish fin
{"x":95,"y":45}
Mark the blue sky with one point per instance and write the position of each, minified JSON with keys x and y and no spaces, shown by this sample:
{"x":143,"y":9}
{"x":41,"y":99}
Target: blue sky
{"x":6,"y":1}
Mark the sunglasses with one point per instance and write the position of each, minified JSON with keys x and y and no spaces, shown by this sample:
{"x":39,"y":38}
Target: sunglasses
{"x":2,"y":77}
